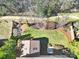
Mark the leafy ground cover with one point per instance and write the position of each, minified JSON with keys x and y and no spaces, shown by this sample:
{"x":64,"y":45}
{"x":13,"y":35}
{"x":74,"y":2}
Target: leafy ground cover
{"x":74,"y":47}
{"x":7,"y":51}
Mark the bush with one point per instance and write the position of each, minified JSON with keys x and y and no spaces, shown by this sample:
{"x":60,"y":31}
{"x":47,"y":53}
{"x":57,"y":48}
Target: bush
{"x":8,"y":50}
{"x":74,"y":47}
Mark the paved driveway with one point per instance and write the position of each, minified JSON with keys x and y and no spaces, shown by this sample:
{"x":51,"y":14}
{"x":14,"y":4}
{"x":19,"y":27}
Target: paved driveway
{"x":47,"y":57}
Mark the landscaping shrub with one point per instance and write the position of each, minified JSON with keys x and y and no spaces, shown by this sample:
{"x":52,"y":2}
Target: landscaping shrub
{"x":8,"y":50}
{"x":74,"y":47}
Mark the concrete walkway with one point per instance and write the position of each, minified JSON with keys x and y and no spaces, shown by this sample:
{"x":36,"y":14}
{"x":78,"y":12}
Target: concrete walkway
{"x":46,"y":57}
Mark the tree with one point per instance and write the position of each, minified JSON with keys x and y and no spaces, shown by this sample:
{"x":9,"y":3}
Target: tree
{"x":48,"y":8}
{"x":77,"y":4}
{"x":6,"y":6}
{"x":43,"y":8}
{"x":67,"y":5}
{"x":19,"y":6}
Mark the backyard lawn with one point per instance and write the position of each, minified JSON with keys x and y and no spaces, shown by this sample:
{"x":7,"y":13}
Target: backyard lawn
{"x":70,"y":14}
{"x":54,"y":36}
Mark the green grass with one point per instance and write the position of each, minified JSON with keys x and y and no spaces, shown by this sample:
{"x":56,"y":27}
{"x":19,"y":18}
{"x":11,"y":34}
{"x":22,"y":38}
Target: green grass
{"x":70,"y":14}
{"x":54,"y":36}
{"x":73,"y":16}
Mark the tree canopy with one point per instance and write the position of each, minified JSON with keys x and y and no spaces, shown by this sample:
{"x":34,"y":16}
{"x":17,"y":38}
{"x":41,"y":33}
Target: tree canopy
{"x":44,"y":8}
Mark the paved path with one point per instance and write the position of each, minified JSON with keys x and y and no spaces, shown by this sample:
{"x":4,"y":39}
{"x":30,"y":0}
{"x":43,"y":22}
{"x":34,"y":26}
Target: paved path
{"x":47,"y":57}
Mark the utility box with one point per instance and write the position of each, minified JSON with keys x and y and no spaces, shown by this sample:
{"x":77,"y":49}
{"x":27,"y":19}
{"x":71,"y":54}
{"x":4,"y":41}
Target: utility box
{"x":30,"y":48}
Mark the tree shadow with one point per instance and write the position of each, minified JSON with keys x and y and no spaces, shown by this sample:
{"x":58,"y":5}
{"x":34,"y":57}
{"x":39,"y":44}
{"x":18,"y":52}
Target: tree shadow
{"x":43,"y":45}
{"x":22,"y":37}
